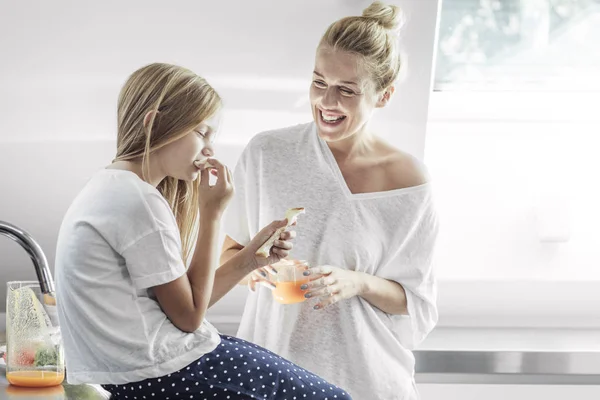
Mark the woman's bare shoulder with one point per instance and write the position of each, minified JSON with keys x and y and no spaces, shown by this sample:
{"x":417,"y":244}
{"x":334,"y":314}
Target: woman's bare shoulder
{"x":402,"y":169}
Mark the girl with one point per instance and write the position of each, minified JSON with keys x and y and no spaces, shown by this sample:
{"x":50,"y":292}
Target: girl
{"x":132,"y":315}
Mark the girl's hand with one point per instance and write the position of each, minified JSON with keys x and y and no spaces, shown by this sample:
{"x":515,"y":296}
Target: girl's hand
{"x":281,"y":247}
{"x":214,"y":199}
{"x":331,"y":284}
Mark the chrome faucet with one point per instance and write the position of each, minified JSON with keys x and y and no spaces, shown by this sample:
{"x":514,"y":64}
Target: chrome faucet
{"x":35,"y":252}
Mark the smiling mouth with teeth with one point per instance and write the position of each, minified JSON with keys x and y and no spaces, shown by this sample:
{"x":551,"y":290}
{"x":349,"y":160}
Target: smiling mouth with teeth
{"x":331,"y":119}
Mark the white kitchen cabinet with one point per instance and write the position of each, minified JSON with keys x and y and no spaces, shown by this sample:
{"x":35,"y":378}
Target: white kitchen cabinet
{"x":431,"y":391}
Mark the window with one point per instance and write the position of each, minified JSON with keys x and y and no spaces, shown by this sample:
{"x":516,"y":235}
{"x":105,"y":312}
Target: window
{"x":511,"y":141}
{"x":536,"y":45}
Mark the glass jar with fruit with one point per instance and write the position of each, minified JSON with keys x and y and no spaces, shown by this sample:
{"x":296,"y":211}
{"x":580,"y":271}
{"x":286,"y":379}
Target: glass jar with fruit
{"x":34,"y":351}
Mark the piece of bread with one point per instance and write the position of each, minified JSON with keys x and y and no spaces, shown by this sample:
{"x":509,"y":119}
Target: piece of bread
{"x":291,"y":216}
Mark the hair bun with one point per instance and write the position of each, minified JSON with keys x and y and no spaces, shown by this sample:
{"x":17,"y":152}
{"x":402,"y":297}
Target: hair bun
{"x":388,"y":17}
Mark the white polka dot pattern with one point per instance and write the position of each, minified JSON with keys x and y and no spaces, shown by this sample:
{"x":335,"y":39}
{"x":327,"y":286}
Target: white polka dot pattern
{"x":262,"y":375}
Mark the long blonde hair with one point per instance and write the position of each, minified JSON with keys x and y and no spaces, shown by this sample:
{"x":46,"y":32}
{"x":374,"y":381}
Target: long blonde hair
{"x":372,"y":36}
{"x":178,"y":100}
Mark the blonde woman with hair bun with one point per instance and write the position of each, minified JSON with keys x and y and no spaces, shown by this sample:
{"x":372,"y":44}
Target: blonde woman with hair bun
{"x":136,"y":259}
{"x":370,"y":225}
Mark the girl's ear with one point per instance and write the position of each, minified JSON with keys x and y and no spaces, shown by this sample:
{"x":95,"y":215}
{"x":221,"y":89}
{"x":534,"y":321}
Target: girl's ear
{"x":149,"y":116}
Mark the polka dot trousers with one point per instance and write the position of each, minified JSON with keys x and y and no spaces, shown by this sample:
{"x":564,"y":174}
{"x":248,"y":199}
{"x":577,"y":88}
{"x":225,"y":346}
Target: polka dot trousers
{"x":235,"y":370}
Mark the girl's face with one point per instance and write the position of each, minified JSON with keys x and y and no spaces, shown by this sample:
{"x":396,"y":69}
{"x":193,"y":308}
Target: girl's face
{"x":179,"y":158}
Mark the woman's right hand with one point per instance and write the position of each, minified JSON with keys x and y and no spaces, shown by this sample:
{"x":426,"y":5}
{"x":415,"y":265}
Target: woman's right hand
{"x":214,"y":199}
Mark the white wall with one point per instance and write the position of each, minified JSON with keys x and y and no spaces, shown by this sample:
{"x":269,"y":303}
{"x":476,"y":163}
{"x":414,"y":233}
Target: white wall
{"x":64,"y":62}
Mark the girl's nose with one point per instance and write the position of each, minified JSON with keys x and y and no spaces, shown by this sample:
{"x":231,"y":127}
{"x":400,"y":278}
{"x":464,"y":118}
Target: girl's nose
{"x":208,"y":151}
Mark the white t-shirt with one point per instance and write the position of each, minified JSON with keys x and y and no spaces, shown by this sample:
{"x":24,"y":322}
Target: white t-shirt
{"x":118,"y":239}
{"x":387,"y":234}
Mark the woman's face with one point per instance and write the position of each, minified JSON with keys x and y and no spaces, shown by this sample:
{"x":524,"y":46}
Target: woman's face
{"x":342,"y":95}
{"x":179,"y":158}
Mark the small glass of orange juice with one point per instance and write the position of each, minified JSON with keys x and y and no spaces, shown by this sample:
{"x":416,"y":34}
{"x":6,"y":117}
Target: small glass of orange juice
{"x":288,"y":280}
{"x":34,"y":349}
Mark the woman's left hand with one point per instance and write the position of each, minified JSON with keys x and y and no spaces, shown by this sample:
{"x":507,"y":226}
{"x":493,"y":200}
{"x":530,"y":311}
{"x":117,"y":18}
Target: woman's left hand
{"x":332,"y":284}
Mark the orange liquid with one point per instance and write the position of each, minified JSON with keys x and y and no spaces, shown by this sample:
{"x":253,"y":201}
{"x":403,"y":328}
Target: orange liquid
{"x":289,"y":292}
{"x":35,"y":378}
{"x":47,"y":393}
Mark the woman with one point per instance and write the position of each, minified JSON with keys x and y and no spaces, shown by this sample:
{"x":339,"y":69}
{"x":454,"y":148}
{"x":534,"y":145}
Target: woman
{"x":131,"y":313}
{"x":369,"y":228}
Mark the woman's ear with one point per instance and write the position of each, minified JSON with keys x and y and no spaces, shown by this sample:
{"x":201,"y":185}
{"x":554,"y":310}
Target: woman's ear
{"x":385,"y":97}
{"x":148,"y":117}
